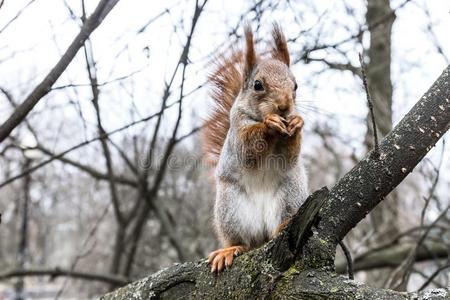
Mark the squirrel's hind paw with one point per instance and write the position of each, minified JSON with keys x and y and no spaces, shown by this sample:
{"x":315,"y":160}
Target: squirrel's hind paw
{"x":223,"y":258}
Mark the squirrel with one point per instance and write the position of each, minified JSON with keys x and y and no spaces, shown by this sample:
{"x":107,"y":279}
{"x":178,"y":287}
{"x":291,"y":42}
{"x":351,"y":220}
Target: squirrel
{"x":253,"y":138}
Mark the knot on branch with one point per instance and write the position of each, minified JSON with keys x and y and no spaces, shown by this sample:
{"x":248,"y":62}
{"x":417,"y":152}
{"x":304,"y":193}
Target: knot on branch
{"x":288,"y":246}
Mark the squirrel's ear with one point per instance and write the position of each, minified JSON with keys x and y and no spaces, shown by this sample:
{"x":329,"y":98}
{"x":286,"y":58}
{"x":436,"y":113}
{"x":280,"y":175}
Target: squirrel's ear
{"x":279,"y":48}
{"x":250,"y":55}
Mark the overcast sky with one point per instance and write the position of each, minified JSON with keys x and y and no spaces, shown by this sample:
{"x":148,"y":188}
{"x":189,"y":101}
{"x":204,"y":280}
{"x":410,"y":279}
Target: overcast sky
{"x":33,"y":43}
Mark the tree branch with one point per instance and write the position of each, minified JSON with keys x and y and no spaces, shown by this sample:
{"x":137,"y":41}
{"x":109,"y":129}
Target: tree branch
{"x":361,"y":189}
{"x":97,"y":17}
{"x":82,"y":144}
{"x":393,"y":256}
{"x":87,"y":169}
{"x":254,"y":275}
{"x":57,"y":272}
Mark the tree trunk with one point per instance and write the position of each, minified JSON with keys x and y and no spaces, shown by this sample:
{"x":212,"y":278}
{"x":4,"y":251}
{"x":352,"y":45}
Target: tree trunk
{"x":384,"y":218}
{"x":23,"y":242}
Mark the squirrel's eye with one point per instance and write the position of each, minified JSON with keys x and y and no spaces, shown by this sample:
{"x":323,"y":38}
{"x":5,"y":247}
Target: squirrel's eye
{"x":295,"y":86}
{"x":258,"y":86}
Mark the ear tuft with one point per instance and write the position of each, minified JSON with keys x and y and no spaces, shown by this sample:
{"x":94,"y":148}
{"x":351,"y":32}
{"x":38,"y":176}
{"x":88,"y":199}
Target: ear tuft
{"x":279,"y":48}
{"x":250,"y":55}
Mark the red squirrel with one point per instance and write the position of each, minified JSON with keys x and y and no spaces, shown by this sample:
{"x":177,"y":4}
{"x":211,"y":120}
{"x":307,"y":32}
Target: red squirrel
{"x":253,"y":139}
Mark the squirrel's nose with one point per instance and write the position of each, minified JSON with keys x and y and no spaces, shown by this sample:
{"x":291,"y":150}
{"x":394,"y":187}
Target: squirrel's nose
{"x":283,"y":107}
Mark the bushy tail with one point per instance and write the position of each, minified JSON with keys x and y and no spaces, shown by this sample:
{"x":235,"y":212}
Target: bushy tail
{"x":226,"y":81}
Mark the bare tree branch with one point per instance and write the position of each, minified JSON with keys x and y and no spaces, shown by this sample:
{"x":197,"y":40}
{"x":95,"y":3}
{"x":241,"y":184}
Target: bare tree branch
{"x":97,"y":17}
{"x":57,"y":272}
{"x":373,"y":178}
{"x":432,"y":276}
{"x":80,"y":145}
{"x":85,"y":168}
{"x":394,"y":255}
{"x":370,"y":104}
{"x":16,"y":16}
{"x":304,"y":55}
{"x":92,"y":73}
{"x":348,"y":257}
{"x":338,"y":66}
{"x":149,"y":194}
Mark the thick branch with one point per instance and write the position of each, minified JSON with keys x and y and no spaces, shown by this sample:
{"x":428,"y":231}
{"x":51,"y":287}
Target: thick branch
{"x":178,"y":283}
{"x":361,"y":189}
{"x":256,"y":276}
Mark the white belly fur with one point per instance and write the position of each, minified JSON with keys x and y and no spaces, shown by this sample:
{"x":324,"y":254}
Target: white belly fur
{"x":259,"y":212}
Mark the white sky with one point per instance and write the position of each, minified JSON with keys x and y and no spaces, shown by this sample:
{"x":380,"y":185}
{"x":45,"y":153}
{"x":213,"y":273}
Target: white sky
{"x":32,"y":44}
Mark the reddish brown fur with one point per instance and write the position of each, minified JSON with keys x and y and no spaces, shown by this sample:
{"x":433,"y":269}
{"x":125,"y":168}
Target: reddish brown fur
{"x":282,"y":226}
{"x":279,"y":48}
{"x":256,"y":144}
{"x":292,"y":144}
{"x":292,"y":147}
{"x":227,"y":81}
{"x":250,"y":56}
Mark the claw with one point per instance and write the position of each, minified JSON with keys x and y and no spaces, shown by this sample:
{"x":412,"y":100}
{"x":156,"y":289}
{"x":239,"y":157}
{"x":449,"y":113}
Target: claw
{"x":223,"y":258}
{"x":276,"y":123}
{"x":295,"y":123}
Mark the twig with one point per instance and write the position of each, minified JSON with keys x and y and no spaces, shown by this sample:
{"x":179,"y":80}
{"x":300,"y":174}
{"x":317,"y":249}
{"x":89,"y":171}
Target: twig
{"x":100,"y":84}
{"x":434,"y":184}
{"x":432,"y":276}
{"x":80,"y":145}
{"x":369,"y":102}
{"x":56,"y":272}
{"x":393,"y":256}
{"x":432,"y":35}
{"x":92,"y":75}
{"x":44,"y":87}
{"x":85,"y":168}
{"x":403,"y":277}
{"x":409,"y":261}
{"x":348,"y":257}
{"x":393,"y":241}
{"x":81,"y":250}
{"x":150,"y":193}
{"x":16,"y":16}
{"x":357,"y":35}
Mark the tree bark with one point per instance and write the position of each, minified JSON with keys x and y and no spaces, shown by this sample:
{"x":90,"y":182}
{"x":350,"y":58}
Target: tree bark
{"x":299,"y":263}
{"x":179,"y":282}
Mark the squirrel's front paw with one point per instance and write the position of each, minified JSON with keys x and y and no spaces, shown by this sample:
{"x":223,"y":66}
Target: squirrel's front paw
{"x":294,"y":124}
{"x":276,"y":123}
